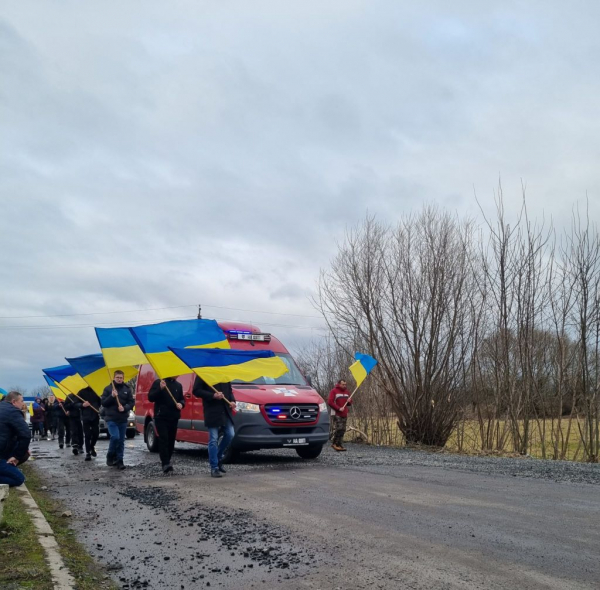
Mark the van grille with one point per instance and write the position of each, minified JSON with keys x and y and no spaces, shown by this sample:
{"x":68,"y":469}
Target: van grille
{"x":292,"y":412}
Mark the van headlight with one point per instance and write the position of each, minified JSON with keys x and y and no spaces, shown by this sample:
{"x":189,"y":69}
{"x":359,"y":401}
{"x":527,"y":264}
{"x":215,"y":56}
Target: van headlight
{"x":322,"y":407}
{"x":246,"y":407}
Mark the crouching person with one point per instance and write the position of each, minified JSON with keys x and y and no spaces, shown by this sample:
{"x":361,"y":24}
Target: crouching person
{"x":14,"y":439}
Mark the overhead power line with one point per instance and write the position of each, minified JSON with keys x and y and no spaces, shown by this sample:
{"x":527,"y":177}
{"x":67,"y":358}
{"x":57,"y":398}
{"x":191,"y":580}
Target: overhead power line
{"x":194,"y":305}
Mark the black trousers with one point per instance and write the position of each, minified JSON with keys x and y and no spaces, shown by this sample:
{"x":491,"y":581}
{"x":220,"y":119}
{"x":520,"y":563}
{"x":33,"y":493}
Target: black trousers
{"x":64,"y":430}
{"x":91,"y":431}
{"x":76,"y":432}
{"x":167,"y":430}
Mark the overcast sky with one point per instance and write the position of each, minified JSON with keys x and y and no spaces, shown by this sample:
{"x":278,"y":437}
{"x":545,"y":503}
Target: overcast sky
{"x":161,"y":154}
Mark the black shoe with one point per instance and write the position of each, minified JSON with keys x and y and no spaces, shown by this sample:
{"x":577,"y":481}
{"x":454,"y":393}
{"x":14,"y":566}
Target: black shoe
{"x":167,"y":468}
{"x":94,"y":454}
{"x":215,"y":473}
{"x":120,"y":465}
{"x":110,"y":461}
{"x":221,"y":468}
{"x":60,"y":446}
{"x":88,"y":457}
{"x":75,"y":451}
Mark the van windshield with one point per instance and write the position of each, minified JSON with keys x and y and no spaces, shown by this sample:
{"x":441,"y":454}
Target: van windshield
{"x":292,"y":377}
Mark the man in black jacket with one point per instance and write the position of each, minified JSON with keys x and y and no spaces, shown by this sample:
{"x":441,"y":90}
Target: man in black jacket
{"x":14,"y":439}
{"x":117,"y":400}
{"x":73,"y":406}
{"x":90,"y":419}
{"x":64,"y":426}
{"x":218,"y":418}
{"x":167,"y":411}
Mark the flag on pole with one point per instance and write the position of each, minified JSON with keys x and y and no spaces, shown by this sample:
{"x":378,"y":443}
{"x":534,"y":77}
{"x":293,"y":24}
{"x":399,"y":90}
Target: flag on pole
{"x":362,"y":367}
{"x":119,"y":348}
{"x":66,"y":378}
{"x":94,"y":372}
{"x":155,"y":340}
{"x":57,"y":392}
{"x":222,"y":366}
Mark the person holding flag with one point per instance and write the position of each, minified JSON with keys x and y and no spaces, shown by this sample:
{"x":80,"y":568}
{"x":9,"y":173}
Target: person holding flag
{"x":63,"y":423}
{"x":117,"y":400}
{"x":219,"y":404}
{"x":339,"y":400}
{"x":73,"y":408}
{"x":88,"y":404}
{"x":167,"y":395}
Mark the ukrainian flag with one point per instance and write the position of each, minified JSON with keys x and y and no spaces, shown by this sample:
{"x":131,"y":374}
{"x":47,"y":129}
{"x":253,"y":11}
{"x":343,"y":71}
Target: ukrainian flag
{"x":119,"y":348}
{"x":95,"y":373}
{"x":362,"y":367}
{"x":155,"y":340}
{"x":222,"y":366}
{"x":57,"y":392}
{"x":66,"y":378}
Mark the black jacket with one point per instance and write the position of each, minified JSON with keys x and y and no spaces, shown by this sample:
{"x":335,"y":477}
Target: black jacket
{"x":216,"y":411}
{"x":72,"y":405}
{"x":57,"y":411}
{"x":164,"y":407}
{"x":14,"y":433}
{"x":111,"y":407}
{"x":90,"y":396}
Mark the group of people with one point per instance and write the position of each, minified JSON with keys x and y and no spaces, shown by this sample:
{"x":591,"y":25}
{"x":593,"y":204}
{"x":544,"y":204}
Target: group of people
{"x":219,"y":405}
{"x":76,"y":421}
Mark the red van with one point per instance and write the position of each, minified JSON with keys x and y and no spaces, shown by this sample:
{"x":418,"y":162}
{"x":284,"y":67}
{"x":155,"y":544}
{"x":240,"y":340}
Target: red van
{"x":271,"y":413}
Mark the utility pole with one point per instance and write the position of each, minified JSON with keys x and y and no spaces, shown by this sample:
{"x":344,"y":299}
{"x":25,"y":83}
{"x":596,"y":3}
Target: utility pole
{"x":199,"y":311}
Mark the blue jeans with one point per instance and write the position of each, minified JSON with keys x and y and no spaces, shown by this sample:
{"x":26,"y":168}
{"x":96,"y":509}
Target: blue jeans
{"x":216,"y":450}
{"x":10,"y":474}
{"x":116,"y":446}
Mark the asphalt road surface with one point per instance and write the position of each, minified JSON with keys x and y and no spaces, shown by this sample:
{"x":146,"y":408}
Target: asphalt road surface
{"x":369,"y":518}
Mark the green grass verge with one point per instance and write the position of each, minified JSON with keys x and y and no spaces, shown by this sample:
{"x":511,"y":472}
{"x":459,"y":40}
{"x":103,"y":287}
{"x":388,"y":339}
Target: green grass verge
{"x":22,"y":560}
{"x":87,"y":573}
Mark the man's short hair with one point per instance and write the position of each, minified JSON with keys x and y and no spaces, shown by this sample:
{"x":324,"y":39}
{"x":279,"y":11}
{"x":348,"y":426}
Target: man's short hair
{"x":119,"y":372}
{"x":13,"y":396}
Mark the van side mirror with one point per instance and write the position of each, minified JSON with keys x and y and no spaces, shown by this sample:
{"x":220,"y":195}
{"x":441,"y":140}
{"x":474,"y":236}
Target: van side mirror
{"x":309,"y":380}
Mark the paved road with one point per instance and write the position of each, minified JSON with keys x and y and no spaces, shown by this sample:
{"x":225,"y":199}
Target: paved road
{"x":357,"y":521}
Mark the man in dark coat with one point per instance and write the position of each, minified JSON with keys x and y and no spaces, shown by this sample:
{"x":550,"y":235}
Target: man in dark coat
{"x":51,"y":417}
{"x":72,"y":405}
{"x":14,"y":439}
{"x":218,"y":418}
{"x":166,"y":416}
{"x":89,"y":406}
{"x":37,"y":419}
{"x":63,"y":423}
{"x":117,"y":400}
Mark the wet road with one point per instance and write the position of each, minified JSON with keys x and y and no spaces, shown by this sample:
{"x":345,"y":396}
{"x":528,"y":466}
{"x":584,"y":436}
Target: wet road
{"x":359,"y":521}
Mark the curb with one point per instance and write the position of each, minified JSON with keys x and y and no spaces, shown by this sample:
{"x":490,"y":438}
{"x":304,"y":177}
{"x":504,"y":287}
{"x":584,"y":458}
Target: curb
{"x":61,"y":577}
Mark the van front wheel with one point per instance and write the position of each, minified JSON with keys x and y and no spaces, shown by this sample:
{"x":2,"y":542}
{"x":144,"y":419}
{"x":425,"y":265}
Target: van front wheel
{"x":151,"y":439}
{"x":310,"y":452}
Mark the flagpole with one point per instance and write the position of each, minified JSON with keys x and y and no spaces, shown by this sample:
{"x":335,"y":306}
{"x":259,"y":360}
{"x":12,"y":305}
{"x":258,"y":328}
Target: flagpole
{"x":348,"y":400}
{"x":68,"y":392}
{"x":224,"y":398}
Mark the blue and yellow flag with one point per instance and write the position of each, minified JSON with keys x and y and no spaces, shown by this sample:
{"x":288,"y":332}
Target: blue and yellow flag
{"x":155,"y":340}
{"x":57,"y":392}
{"x":95,"y":373}
{"x":119,"y":348}
{"x":66,"y":378}
{"x":222,"y":366}
{"x":362,"y":367}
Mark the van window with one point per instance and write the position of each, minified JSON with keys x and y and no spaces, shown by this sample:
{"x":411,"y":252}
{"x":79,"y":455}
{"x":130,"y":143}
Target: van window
{"x":292,"y":377}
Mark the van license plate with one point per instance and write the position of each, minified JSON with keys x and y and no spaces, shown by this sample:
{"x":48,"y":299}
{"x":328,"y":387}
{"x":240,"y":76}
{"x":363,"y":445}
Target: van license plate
{"x":294,"y":442}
